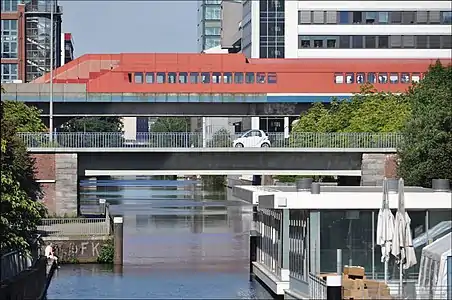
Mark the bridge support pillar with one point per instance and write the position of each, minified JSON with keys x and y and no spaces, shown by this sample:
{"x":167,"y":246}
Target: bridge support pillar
{"x":375,"y":167}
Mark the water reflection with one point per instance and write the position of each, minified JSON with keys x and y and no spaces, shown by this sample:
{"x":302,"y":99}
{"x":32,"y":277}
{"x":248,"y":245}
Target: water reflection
{"x":180,"y":241}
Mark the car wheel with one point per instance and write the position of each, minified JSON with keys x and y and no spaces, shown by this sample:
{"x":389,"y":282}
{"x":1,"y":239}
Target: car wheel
{"x":265,"y":145}
{"x":239,"y":145}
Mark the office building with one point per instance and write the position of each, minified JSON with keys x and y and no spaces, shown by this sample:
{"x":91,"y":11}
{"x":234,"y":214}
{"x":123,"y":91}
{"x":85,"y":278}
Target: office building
{"x":67,"y":46}
{"x":25,"y":39}
{"x":209,"y":24}
{"x":338,"y":29}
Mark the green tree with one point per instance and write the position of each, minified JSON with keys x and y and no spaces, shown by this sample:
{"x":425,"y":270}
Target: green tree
{"x":111,"y":127}
{"x":178,"y":133}
{"x":21,"y":210}
{"x":24,"y":118}
{"x":426,"y":152}
{"x":221,"y":138}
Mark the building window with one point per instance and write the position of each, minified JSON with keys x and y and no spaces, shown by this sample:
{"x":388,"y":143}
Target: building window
{"x":331,"y":42}
{"x":216,"y":77}
{"x":9,"y":38}
{"x":344,"y":17}
{"x":318,"y":17}
{"x":138,"y":77}
{"x":415,"y":77}
{"x":338,"y":78}
{"x":396,"y":17}
{"x":318,"y":42}
{"x":434,"y":17}
{"x":357,"y":42}
{"x":160,"y":77}
{"x":227,"y":77}
{"x":304,"y":17}
{"x":446,"y":17}
{"x":172,"y":77}
{"x":371,"y":17}
{"x":194,"y":78}
{"x":260,"y":77}
{"x":238,"y":78}
{"x":212,"y":31}
{"x":370,"y":41}
{"x":249,"y":78}
{"x":360,"y":78}
{"x":211,"y":41}
{"x":9,"y":72}
{"x":446,"y":42}
{"x":383,"y":41}
{"x":9,"y":5}
{"x":371,"y":78}
{"x":405,"y":78}
{"x":183,"y":77}
{"x":422,"y":42}
{"x":331,"y":17}
{"x":396,"y":41}
{"x":357,"y":17}
{"x":383,"y":17}
{"x":304,"y":42}
{"x":435,"y":42}
{"x":212,"y":13}
{"x":394,"y":78}
{"x":408,"y":41}
{"x":272,"y":78}
{"x":205,"y":77}
{"x":382,"y":78}
{"x":350,"y":78}
{"x":421,"y":17}
{"x":408,"y":17}
{"x":344,"y":41}
{"x":149,"y":77}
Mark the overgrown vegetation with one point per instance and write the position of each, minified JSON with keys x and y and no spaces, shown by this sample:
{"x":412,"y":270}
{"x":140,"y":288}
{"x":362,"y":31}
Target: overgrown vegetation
{"x":107,"y":253}
{"x":21,"y":210}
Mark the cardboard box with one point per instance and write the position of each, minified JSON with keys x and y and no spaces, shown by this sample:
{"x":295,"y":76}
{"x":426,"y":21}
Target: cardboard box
{"x":354,"y":272}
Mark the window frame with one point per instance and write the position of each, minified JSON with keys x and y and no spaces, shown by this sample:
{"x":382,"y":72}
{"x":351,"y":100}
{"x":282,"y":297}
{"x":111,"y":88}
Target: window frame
{"x":350,"y":75}
{"x":239,"y":77}
{"x":259,"y":76}
{"x":160,"y":77}
{"x":272,"y":78}
{"x":227,"y":75}
{"x":138,"y":78}
{"x":216,"y":78}
{"x":172,"y":77}
{"x":151,"y":76}
{"x":339,"y":75}
{"x":205,"y":78}
{"x":193,"y":78}
{"x":182,"y":75}
{"x":250,"y":78}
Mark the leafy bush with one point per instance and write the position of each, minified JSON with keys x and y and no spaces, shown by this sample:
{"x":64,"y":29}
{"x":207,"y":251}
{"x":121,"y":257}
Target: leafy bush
{"x":107,"y":253}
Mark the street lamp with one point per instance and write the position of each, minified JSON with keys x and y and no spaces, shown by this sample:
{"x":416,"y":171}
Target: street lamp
{"x":51,"y":72}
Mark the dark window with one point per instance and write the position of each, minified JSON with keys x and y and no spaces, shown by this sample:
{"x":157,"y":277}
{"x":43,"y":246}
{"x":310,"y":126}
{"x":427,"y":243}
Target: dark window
{"x":227,"y":77}
{"x":249,"y":77}
{"x":216,"y":77}
{"x":357,"y":17}
{"x":260,"y":77}
{"x":344,"y":42}
{"x":172,"y":77}
{"x":405,"y":78}
{"x":383,"y":41}
{"x":446,"y":42}
{"x":396,"y":41}
{"x":338,"y":78}
{"x":383,"y":17}
{"x":422,"y":42}
{"x":138,"y":78}
{"x":434,"y":17}
{"x":161,"y":77}
{"x":183,"y":77}
{"x":421,"y":17}
{"x":349,"y":78}
{"x":446,"y":17}
{"x":194,"y":78}
{"x":304,"y":17}
{"x":370,"y":41}
{"x":129,"y":75}
{"x":371,"y":78}
{"x":344,"y":17}
{"x":263,"y":52}
{"x":238,"y":78}
{"x":331,"y":42}
{"x":304,"y":42}
{"x":150,"y":78}
{"x":205,"y":77}
{"x":383,"y":78}
{"x":371,"y":17}
{"x":360,"y":78}
{"x":396,"y":17}
{"x":408,"y":41}
{"x":435,"y":42}
{"x":272,"y":78}
{"x":318,"y":42}
{"x":408,"y":17}
{"x":357,"y":41}
{"x":394,"y":78}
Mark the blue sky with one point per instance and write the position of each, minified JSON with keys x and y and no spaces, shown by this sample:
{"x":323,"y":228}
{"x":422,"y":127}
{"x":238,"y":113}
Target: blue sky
{"x":131,"y":26}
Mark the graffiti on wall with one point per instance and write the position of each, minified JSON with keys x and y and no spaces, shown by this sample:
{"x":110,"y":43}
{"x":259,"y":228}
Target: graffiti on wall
{"x":81,"y":251}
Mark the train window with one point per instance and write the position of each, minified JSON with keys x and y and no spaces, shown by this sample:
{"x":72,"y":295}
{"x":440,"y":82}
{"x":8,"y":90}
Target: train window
{"x":394,"y":78}
{"x":249,"y":77}
{"x":415,"y":77}
{"x":227,"y":77}
{"x":260,"y":77}
{"x":194,"y":77}
{"x":216,"y":77}
{"x":382,"y":77}
{"x":339,"y":78}
{"x":238,"y":78}
{"x":272,"y":78}
{"x":405,"y":78}
{"x":349,"y":78}
{"x":360,"y":78}
{"x":183,"y":77}
{"x":149,"y":77}
{"x":160,"y":77}
{"x":138,"y":78}
{"x":172,"y":77}
{"x":205,"y":77}
{"x":371,"y":78}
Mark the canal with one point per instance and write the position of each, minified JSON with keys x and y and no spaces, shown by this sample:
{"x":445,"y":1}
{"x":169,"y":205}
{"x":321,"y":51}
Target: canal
{"x":181,"y":240}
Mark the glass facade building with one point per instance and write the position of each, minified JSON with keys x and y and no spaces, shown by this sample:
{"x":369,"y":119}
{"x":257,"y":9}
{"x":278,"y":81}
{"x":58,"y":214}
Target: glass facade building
{"x":209,"y":24}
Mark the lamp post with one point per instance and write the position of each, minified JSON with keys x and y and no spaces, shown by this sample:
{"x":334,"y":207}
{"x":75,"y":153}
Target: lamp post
{"x":51,"y":73}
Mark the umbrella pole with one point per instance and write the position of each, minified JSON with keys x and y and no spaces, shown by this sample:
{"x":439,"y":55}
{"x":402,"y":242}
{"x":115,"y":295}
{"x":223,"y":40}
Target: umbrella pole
{"x":386,"y":271}
{"x":400,"y":279}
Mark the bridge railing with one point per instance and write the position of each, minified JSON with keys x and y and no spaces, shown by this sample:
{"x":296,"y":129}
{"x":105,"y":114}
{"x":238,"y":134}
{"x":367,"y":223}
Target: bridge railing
{"x":13,"y":263}
{"x":196,"y":140}
{"x":75,"y":227}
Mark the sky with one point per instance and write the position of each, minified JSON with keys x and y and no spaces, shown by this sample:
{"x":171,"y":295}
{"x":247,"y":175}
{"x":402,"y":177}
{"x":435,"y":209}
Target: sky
{"x":131,"y":26}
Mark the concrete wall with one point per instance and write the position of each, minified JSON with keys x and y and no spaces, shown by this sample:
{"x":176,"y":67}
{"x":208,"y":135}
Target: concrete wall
{"x":29,"y":284}
{"x":375,"y":167}
{"x":76,"y":249}
{"x":57,"y":174}
{"x":231,"y":18}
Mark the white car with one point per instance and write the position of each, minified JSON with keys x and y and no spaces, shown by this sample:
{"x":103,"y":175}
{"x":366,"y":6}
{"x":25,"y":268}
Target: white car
{"x":252,"y":138}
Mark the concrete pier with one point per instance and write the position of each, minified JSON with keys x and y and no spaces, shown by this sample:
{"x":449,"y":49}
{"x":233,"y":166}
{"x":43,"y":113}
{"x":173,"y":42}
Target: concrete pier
{"x":118,"y":230}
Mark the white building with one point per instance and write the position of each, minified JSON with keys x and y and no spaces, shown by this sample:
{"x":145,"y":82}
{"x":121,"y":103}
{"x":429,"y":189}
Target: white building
{"x":339,"y":29}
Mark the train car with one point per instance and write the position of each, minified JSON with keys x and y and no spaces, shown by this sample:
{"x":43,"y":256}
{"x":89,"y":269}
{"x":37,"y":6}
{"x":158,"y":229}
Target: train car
{"x":235,"y":74}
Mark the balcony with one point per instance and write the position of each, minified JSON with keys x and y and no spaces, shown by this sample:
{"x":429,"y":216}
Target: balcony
{"x":43,"y":8}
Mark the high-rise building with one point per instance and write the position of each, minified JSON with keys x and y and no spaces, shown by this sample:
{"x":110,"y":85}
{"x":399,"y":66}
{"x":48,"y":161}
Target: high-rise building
{"x":336,"y":29}
{"x":25,"y":39}
{"x":209,"y":24}
{"x":67,"y":46}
